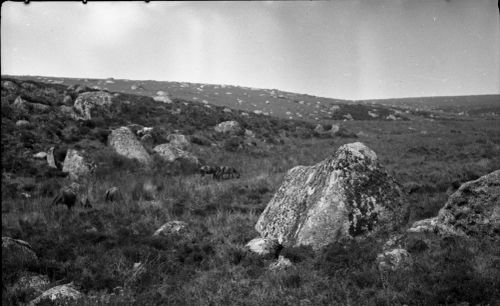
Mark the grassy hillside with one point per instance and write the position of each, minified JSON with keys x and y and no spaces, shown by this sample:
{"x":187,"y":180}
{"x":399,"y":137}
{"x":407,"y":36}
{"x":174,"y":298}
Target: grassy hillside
{"x":266,"y":101}
{"x":97,"y":248}
{"x":484,"y":105}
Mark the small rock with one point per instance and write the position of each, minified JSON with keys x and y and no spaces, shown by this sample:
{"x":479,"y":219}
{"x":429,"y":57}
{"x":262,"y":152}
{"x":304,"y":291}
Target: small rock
{"x":228,"y":127}
{"x":50,"y":158}
{"x":163,"y":99}
{"x":395,"y":259}
{"x":179,"y":141}
{"x":147,"y":141}
{"x":171,"y":227}
{"x":22,"y":123}
{"x":263,"y":246}
{"x":249,"y":133}
{"x":68,"y":100}
{"x":20,"y":104}
{"x":282,"y":263}
{"x":171,"y":153}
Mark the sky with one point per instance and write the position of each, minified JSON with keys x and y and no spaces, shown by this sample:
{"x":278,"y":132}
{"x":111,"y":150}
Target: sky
{"x":346,"y":49}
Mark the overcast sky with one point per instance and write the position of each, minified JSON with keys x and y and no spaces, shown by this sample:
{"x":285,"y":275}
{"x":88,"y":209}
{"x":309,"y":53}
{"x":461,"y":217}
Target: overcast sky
{"x":341,"y":49}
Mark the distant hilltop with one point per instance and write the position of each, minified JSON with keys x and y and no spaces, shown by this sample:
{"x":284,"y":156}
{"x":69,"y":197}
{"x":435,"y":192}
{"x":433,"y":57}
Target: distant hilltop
{"x":282,"y":104}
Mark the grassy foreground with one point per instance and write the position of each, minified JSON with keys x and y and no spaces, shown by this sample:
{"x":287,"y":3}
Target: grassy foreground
{"x":97,"y":248}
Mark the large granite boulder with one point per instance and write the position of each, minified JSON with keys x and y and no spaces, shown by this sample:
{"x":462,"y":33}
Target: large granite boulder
{"x":232,"y":127}
{"x":347,"y":195}
{"x":75,"y":164}
{"x":171,"y":153}
{"x":17,"y":254}
{"x":90,"y":103}
{"x":473,"y":210}
{"x":124,"y":142}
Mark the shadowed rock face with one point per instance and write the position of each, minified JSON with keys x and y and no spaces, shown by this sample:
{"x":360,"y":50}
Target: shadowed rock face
{"x":473,"y":210}
{"x":124,"y":142}
{"x":346,"y":195}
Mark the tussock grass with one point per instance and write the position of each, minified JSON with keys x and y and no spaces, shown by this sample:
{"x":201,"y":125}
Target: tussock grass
{"x":97,"y":248}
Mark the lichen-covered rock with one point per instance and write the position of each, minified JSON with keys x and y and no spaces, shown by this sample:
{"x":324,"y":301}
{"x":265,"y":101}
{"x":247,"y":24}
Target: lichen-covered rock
{"x":76,"y":165}
{"x":88,"y":104}
{"x":58,"y":295}
{"x":263,"y":246}
{"x":394,"y":259}
{"x":124,"y":142}
{"x":473,"y":210}
{"x":281,"y":264}
{"x":171,"y":153}
{"x":17,"y":254}
{"x":30,"y":285}
{"x":347,"y":195}
{"x":228,"y":127}
{"x":171,"y":227}
{"x":179,"y":141}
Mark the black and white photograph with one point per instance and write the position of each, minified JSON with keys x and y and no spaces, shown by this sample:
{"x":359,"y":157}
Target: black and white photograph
{"x":301,"y":153}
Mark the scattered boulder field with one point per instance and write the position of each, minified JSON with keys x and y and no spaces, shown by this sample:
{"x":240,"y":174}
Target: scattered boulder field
{"x":60,"y":128}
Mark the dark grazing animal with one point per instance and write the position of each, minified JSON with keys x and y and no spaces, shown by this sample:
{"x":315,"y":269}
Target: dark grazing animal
{"x":218,"y":173}
{"x":66,"y":196}
{"x":69,"y":196}
{"x":226,"y":173}
{"x":112,"y":194}
{"x":207,"y":170}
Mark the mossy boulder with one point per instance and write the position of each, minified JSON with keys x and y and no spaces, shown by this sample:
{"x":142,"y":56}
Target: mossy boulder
{"x":347,"y":195}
